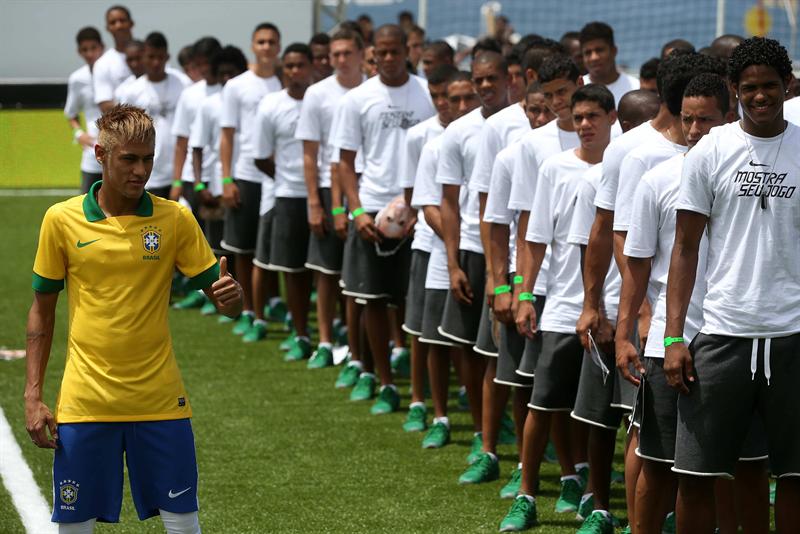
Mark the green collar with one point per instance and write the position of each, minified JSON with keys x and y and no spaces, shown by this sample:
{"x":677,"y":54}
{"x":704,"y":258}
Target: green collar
{"x":93,"y":213}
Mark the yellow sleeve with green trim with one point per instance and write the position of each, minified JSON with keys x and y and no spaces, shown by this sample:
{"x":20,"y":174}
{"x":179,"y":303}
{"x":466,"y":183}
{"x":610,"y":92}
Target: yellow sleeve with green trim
{"x":50,"y":265}
{"x":194,"y":257}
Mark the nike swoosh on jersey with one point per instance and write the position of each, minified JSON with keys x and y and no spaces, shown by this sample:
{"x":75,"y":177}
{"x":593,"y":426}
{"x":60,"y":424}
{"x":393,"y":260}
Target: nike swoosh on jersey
{"x":172,"y":495}
{"x":87,"y":243}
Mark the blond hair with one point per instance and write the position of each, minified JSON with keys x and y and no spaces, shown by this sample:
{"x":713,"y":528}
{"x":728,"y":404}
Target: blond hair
{"x":124,"y":124}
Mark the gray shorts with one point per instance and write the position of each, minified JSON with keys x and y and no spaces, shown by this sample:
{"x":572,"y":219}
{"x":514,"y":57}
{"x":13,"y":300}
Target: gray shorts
{"x":89,"y":178}
{"x":415,"y":298}
{"x":486,"y":344}
{"x":263,"y":240}
{"x":213,"y":231}
{"x":432,"y":318}
{"x":289,"y":242}
{"x":511,"y":345}
{"x":659,"y":420}
{"x":241,"y":224}
{"x":558,"y":372}
{"x":595,"y":393}
{"x":370,"y":276}
{"x":714,"y":418}
{"x":460,"y":322}
{"x":533,"y":347}
{"x":325,"y":253}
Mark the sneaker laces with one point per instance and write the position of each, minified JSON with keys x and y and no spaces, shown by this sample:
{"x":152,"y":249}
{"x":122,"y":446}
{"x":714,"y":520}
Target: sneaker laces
{"x":520,"y":507}
{"x":571,"y":492}
{"x":596,"y":518}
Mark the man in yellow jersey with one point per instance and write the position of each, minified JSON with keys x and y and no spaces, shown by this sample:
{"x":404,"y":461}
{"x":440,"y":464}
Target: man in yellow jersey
{"x":116,"y":248}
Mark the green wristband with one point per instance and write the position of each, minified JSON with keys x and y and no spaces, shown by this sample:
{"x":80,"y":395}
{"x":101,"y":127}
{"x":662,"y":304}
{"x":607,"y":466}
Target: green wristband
{"x":227,"y":180}
{"x":177,"y":183}
{"x":670,"y":340}
{"x":338,"y":211}
{"x":200,"y":187}
{"x":526,"y":296}
{"x":358,"y":211}
{"x":518,"y":279}
{"x":501,"y":290}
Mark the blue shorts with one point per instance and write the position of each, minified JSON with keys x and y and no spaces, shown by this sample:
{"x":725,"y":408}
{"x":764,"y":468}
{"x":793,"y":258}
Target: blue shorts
{"x":88,"y":471}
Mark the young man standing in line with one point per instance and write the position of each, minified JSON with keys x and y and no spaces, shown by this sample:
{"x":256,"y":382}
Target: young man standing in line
{"x":80,"y":97}
{"x":374,"y":118}
{"x":600,"y":57}
{"x":325,"y":247}
{"x":121,"y":393}
{"x":111,"y":69}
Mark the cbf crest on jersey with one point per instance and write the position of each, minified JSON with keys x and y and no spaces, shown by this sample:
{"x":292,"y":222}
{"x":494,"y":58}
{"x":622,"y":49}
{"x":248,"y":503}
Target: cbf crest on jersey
{"x":68,"y":493}
{"x":151,"y":242}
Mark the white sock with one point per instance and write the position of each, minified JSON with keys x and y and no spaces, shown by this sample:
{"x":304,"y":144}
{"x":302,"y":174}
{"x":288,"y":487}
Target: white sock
{"x":389,"y":386}
{"x":84,"y":527}
{"x":585,"y":497}
{"x":304,"y":338}
{"x":605,"y":514}
{"x":274,"y":301}
{"x":576,"y":478}
{"x":180,"y":523}
{"x":420,"y":404}
{"x":325,"y":345}
{"x":477,"y":434}
{"x":260,"y":321}
{"x":581,"y":465}
{"x":530,"y":498}
{"x":371,"y":375}
{"x":248,"y":313}
{"x":519,"y":465}
{"x":492,"y":455}
{"x":462,"y":389}
{"x":444,"y":420}
{"x":397,"y":351}
{"x":357,"y":364}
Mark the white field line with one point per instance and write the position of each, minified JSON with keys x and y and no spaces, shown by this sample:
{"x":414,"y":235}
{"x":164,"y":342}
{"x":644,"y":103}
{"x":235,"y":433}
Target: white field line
{"x":18,"y":480}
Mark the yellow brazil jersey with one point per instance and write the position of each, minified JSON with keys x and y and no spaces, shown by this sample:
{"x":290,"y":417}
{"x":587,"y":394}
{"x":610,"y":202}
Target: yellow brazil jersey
{"x":118,"y":272}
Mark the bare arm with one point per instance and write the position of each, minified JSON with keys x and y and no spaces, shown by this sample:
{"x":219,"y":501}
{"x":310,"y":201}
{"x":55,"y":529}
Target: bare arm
{"x":433,"y":216}
{"x":178,"y":161}
{"x":85,"y":139}
{"x":487,"y":246}
{"x":598,"y":258}
{"x":339,"y":221}
{"x":526,"y":314}
{"x":689,"y":228}
{"x":316,"y":217}
{"x":634,"y":290}
{"x":349,"y":182}
{"x":225,"y":292}
{"x":498,"y":243}
{"x":230,"y":192}
{"x":41,"y":322}
{"x":451,"y":228}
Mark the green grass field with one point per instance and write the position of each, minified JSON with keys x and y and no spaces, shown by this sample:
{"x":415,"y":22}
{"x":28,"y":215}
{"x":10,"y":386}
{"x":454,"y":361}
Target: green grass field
{"x":279,"y":449}
{"x":36,"y":150}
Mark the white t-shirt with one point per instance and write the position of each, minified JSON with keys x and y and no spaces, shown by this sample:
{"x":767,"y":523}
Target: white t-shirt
{"x":205,"y":134}
{"x":460,"y":145}
{"x":549,"y":224}
{"x":108,"y":72}
{"x":615,"y":152}
{"x":427,"y":192}
{"x":497,"y":211}
{"x":121,"y":92}
{"x":651,"y":235}
{"x":638,"y":161}
{"x":80,"y":97}
{"x":275,"y":124}
{"x":159,"y":100}
{"x":188,"y":106}
{"x":624,"y":84}
{"x":416,"y":138}
{"x":375,"y":118}
{"x":581,"y":228}
{"x":316,"y":119}
{"x":753,"y":271}
{"x":791,"y":110}
{"x":240,"y":99}
{"x":500,"y":130}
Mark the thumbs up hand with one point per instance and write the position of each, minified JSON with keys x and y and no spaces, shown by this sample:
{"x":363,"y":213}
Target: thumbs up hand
{"x":226,"y":292}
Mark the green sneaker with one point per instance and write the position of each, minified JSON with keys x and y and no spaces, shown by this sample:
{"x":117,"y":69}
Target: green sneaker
{"x":415,"y":420}
{"x":322,"y":357}
{"x":510,"y":490}
{"x":484,"y":469}
{"x":257,"y":332}
{"x":208,"y":308}
{"x":475,"y":448}
{"x":300,"y":351}
{"x":585,"y":508}
{"x":437,"y":436}
{"x":597,"y":523}
{"x":243,"y":324}
{"x":507,"y":434}
{"x":276,"y":313}
{"x":388,"y":401}
{"x":463,"y":400}
{"x":289,"y":342}
{"x":773,"y":486}
{"x":550,"y":455}
{"x":401,"y":363}
{"x":626,"y":530}
{"x":195,"y":299}
{"x":669,"y":524}
{"x":224,"y":319}
{"x":521,"y":516}
{"x":583,"y":474}
{"x":570,"y":496}
{"x":364,"y":388}
{"x":313,"y":297}
{"x":348,"y":376}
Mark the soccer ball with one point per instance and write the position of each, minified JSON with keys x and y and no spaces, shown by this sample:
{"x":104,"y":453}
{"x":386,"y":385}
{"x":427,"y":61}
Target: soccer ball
{"x":392,"y":219}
